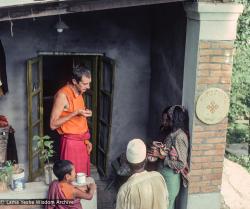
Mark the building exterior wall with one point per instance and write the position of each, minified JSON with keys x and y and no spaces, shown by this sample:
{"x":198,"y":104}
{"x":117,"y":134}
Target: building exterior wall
{"x":136,"y":50}
{"x":208,"y":141}
{"x":167,"y":62}
{"x":115,"y":33}
{"x":149,"y":69}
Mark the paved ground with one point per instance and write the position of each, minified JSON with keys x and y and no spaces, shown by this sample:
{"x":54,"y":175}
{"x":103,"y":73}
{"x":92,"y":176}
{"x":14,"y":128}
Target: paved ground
{"x":105,"y":196}
{"x":235,"y":187}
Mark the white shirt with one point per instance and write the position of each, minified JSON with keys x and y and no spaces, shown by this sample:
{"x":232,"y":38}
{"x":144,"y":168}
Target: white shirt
{"x":145,"y":190}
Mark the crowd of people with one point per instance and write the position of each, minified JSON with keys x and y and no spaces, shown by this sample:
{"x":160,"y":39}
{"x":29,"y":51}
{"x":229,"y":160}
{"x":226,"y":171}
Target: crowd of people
{"x":144,"y":189}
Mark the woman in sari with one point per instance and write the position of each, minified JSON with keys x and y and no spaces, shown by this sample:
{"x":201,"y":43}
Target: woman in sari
{"x":173,"y":158}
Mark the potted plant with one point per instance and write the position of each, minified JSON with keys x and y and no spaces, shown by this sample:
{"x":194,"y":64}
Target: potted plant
{"x":5,"y":175}
{"x":17,"y":178}
{"x":45,"y":148}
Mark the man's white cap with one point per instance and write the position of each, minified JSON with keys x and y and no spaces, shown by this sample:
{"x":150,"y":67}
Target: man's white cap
{"x":136,"y":151}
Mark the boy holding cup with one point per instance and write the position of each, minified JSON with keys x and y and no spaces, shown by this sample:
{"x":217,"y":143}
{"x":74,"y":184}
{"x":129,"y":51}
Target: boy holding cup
{"x":63,"y":188}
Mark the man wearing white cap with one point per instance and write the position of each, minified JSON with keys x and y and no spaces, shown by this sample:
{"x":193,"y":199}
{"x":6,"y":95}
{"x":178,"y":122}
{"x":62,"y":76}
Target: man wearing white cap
{"x":143,"y":190}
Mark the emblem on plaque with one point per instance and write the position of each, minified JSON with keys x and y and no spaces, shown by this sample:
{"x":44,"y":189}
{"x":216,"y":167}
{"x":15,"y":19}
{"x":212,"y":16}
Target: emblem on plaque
{"x":212,"y":106}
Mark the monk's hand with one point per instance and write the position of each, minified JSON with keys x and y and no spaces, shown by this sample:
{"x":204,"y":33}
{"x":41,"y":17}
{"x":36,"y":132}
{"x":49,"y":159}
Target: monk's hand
{"x":89,"y":147}
{"x":86,"y":113}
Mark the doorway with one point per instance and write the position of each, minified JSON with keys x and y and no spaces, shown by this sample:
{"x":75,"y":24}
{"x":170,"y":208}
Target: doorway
{"x":48,"y":73}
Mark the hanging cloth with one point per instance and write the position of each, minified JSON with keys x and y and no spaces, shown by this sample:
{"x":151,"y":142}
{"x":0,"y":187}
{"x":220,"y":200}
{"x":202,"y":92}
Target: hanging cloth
{"x":11,"y":146}
{"x":3,"y":75}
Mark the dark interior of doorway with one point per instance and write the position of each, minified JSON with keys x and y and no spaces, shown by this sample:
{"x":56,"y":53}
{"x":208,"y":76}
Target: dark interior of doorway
{"x":56,"y":73}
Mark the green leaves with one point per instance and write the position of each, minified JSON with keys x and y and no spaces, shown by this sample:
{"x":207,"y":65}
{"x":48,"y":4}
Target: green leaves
{"x":243,"y":30}
{"x":240,"y":91}
{"x":48,"y":144}
{"x":238,"y":133}
{"x":46,"y":137}
{"x":6,"y":171}
{"x":45,"y":147}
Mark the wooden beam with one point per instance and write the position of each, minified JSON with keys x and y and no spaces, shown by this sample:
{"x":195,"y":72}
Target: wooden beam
{"x":17,"y":3}
{"x":68,"y":7}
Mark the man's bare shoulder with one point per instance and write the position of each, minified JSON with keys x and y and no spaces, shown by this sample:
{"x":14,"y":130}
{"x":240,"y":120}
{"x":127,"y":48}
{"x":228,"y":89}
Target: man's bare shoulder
{"x":60,"y":99}
{"x":60,"y":96}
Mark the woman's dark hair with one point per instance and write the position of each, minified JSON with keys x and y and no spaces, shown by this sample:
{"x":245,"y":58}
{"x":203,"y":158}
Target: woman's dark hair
{"x":80,"y":71}
{"x":162,"y":128}
{"x":61,"y":168}
{"x":180,"y":119}
{"x":165,"y":111}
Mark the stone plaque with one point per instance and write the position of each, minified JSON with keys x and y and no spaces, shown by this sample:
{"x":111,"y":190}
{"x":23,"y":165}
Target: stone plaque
{"x":212,"y":106}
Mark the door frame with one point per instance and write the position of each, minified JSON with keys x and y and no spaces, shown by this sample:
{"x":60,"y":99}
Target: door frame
{"x":99,"y":58}
{"x":33,"y":90}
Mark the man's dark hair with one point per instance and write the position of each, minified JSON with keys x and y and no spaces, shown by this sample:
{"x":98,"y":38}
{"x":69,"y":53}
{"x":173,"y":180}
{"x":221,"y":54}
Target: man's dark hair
{"x":80,"y":71}
{"x":61,"y":168}
{"x":137,"y":166}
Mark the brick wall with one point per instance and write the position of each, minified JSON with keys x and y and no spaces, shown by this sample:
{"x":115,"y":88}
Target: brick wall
{"x":208,"y":141}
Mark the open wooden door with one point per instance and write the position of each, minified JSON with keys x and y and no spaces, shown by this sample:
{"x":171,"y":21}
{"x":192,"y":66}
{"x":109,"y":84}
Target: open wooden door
{"x":35,"y":113}
{"x":98,"y":99}
{"x":90,"y":97}
{"x":105,"y":96}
